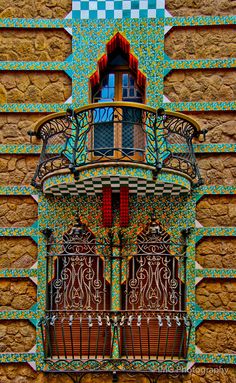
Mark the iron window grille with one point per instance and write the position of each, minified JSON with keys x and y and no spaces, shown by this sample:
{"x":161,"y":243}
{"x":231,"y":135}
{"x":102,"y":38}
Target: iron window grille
{"x":127,"y":305}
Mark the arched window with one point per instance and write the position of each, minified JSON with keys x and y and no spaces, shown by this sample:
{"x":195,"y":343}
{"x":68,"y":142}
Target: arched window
{"x":154,"y":288}
{"x":78,"y":295}
{"x":118,"y":132}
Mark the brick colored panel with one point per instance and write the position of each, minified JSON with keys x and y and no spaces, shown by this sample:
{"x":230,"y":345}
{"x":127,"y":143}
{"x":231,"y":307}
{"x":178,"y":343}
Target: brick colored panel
{"x":217,"y":252}
{"x":34,"y":87}
{"x":201,"y":85}
{"x":17,"y":211}
{"x":193,"y":43}
{"x":217,"y":337}
{"x":14,"y":127}
{"x":17,"y":252}
{"x":16,"y":336}
{"x":17,"y":169}
{"x":217,"y":210}
{"x":17,"y":294}
{"x":34,"y":45}
{"x":220,"y":126}
{"x":35,"y":9}
{"x":200,"y":7}
{"x":217,"y":294}
{"x":218,"y":169}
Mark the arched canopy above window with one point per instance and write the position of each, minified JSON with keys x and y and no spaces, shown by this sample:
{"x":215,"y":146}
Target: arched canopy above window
{"x":117,"y":77}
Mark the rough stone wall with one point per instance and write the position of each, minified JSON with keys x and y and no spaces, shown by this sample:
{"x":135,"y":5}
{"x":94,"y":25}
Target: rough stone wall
{"x":216,"y":294}
{"x":218,"y":169}
{"x":17,"y":169}
{"x":22,"y":373}
{"x":217,"y":337}
{"x":34,"y":87}
{"x":17,"y":294}
{"x":193,"y":43}
{"x":34,"y":44}
{"x":14,"y":127}
{"x":35,"y":9}
{"x":201,"y":7}
{"x":17,"y":252}
{"x":217,"y":210}
{"x":217,"y":252}
{"x":200,"y":85}
{"x":16,"y":336}
{"x":220,"y":126}
{"x":17,"y":211}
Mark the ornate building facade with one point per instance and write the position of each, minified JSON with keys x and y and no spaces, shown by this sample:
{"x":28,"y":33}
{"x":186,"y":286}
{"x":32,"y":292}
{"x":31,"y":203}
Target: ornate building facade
{"x":117,"y":179}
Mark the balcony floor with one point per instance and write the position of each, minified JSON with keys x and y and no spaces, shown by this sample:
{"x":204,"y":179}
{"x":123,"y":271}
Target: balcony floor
{"x":139,"y":180}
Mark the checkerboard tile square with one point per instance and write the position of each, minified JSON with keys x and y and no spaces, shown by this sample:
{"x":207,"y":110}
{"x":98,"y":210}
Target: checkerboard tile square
{"x":108,"y":9}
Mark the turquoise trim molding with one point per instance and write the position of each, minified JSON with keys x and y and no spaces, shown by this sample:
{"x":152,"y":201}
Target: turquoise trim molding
{"x":35,"y":23}
{"x":18,"y":273}
{"x":199,"y":20}
{"x":36,"y":149}
{"x":215,"y":273}
{"x":34,"y":65}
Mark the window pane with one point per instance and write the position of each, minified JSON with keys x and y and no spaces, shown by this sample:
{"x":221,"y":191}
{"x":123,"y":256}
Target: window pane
{"x":125,"y":79}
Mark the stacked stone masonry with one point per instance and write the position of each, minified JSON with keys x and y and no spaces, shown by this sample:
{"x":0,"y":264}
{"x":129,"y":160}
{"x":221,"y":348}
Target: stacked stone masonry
{"x":16,"y":336}
{"x":216,"y":294}
{"x":17,"y":169}
{"x":22,"y":373}
{"x":218,"y":169}
{"x":34,"y":45}
{"x":194,"y":43}
{"x":217,"y":337}
{"x":201,"y":7}
{"x":17,"y":294}
{"x":50,"y":9}
{"x":217,"y":210}
{"x":217,"y":252}
{"x":14,"y":127}
{"x":17,"y":252}
{"x":17,"y":211}
{"x":220,"y":126}
{"x":200,"y":85}
{"x":34,"y":87}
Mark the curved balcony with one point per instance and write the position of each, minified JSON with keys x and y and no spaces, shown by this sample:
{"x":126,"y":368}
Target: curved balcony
{"x":117,"y":144}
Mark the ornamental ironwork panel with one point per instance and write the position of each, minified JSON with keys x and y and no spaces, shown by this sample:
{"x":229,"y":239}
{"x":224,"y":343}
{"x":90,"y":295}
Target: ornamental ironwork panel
{"x":80,"y":323}
{"x":120,"y":132}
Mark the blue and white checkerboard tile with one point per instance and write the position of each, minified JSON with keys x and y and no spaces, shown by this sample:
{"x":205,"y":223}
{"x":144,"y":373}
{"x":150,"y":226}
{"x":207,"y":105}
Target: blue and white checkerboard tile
{"x":116,"y":9}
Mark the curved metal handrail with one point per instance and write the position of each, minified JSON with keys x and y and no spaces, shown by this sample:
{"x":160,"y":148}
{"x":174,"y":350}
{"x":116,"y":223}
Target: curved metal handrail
{"x":85,"y":136}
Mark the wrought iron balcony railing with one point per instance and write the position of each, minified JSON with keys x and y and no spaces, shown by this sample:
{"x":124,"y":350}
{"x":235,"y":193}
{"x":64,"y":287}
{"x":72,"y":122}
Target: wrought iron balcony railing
{"x":104,"y":307}
{"x":117,"y":132}
{"x":96,"y":339}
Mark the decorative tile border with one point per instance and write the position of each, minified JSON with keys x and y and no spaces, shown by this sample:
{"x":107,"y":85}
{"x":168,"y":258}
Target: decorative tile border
{"x":35,"y":23}
{"x":34,"y":65}
{"x":215,"y":273}
{"x":199,"y":21}
{"x":18,"y":314}
{"x":36,"y":149}
{"x":18,"y":273}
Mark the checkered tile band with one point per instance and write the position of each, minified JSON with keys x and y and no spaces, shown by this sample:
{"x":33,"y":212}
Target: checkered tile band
{"x":116,"y":9}
{"x":136,"y":186}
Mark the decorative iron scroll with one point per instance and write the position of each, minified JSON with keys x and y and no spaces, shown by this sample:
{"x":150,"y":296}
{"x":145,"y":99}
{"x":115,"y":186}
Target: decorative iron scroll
{"x":76,"y":280}
{"x":146,"y":136}
{"x":155,"y":277}
{"x":151,"y":324}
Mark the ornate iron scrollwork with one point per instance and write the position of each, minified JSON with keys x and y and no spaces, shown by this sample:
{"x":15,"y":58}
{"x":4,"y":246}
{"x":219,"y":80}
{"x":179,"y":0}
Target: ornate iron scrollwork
{"x":85,"y":136}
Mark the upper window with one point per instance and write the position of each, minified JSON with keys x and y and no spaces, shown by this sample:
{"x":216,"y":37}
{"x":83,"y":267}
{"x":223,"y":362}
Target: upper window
{"x":118,"y":86}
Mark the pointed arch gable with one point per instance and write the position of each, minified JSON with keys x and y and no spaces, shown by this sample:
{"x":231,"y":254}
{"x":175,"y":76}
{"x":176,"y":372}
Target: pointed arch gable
{"x":118,"y":42}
